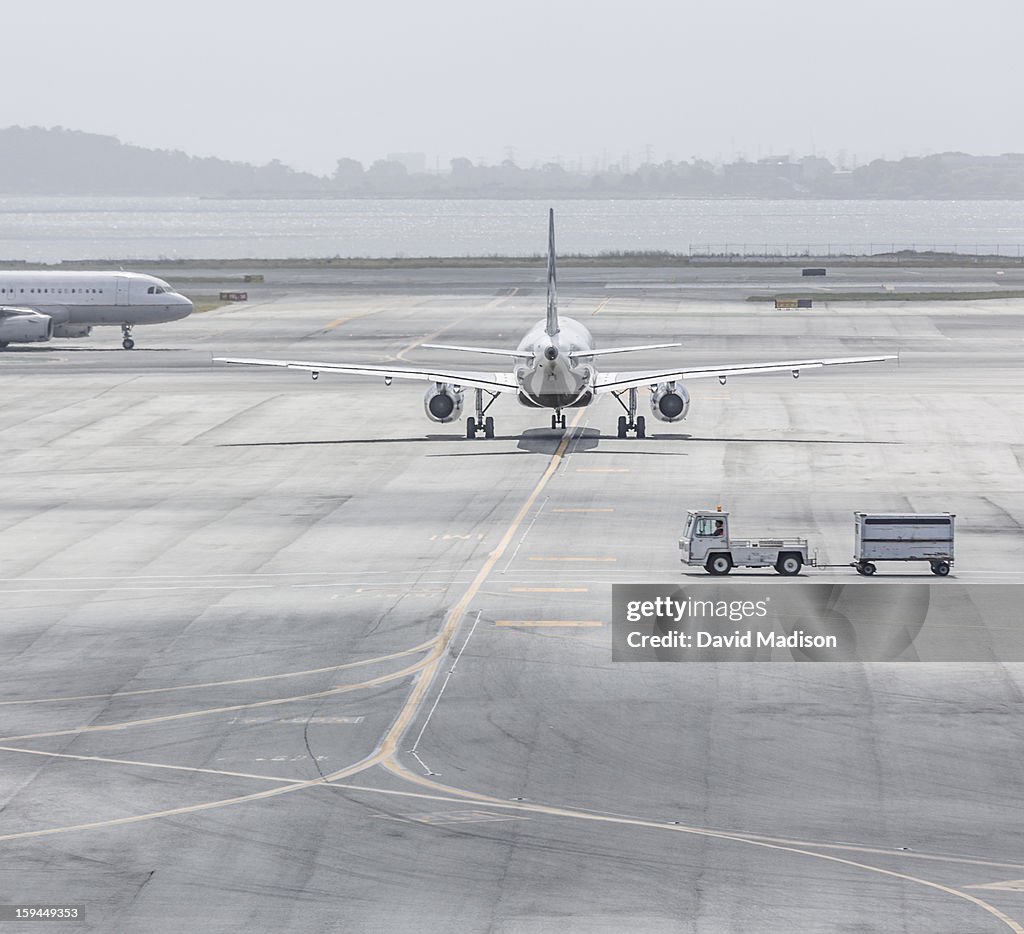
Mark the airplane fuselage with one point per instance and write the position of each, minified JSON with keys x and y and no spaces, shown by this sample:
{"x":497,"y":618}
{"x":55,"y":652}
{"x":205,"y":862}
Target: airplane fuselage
{"x":94,"y":298}
{"x":556,"y":371}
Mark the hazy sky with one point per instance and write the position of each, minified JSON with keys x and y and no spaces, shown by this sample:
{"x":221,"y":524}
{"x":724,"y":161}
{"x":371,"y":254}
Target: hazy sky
{"x":308,"y":81}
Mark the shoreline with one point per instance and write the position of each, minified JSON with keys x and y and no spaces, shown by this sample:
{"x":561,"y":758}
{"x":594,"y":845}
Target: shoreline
{"x":613,"y":260}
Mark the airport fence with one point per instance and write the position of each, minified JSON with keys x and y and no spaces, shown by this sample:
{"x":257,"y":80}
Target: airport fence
{"x":838,"y":250}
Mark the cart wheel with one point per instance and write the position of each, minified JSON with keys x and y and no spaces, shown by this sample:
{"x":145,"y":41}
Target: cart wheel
{"x":869,"y":568}
{"x":788,"y":565}
{"x":718,"y":565}
{"x":940,"y":568}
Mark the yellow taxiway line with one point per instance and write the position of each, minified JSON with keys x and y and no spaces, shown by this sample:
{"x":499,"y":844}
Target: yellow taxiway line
{"x":392,"y":765}
{"x":541,"y":558}
{"x":190,"y":714}
{"x":547,"y":623}
{"x":547,"y":590}
{"x":337,"y":322}
{"x":422,"y":647}
{"x":389,"y":743}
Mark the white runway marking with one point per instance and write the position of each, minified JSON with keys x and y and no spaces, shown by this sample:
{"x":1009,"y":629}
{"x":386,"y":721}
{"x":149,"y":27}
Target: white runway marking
{"x":437,"y":700}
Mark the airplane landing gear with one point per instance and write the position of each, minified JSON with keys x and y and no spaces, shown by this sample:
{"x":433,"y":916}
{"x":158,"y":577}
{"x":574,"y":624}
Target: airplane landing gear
{"x":630,"y":421}
{"x":474,"y":427}
{"x":481,"y":424}
{"x":126,"y":332}
{"x":558,"y":419}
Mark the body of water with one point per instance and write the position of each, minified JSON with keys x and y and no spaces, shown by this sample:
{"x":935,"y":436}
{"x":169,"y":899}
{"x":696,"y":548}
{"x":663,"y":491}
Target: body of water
{"x":51,"y":229}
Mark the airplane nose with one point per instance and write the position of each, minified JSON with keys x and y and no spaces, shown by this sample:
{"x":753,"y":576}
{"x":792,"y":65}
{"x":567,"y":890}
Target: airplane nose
{"x":551,"y":353}
{"x":183,"y":307}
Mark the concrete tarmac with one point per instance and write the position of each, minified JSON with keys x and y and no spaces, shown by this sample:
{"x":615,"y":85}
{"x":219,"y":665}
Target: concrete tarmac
{"x":699,"y":281}
{"x":283,"y":655}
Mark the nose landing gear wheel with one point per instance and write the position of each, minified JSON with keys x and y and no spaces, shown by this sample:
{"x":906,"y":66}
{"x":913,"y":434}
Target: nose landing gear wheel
{"x":128,"y":343}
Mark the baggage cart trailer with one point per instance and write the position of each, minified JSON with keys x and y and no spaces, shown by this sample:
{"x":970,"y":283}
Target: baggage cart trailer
{"x":903,"y":537}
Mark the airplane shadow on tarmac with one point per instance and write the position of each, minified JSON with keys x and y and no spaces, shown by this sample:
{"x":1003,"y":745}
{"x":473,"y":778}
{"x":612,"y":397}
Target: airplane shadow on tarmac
{"x":546,"y":441}
{"x":661,"y":436}
{"x":288,"y":444}
{"x":59,"y":349}
{"x":534,"y":441}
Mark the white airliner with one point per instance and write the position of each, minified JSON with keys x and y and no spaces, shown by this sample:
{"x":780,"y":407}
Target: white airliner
{"x":35,"y":306}
{"x":553,"y":368}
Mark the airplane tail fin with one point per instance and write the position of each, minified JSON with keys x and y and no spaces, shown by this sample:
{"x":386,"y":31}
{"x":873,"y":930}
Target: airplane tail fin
{"x":552,"y":326}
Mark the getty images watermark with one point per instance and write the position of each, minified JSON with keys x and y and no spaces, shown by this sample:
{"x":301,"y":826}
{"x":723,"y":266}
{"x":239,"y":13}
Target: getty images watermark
{"x":797,"y":621}
{"x":707,"y":617}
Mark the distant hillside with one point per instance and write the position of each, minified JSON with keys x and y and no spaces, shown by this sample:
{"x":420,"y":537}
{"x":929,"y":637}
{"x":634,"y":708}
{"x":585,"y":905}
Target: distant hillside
{"x":37,"y":161}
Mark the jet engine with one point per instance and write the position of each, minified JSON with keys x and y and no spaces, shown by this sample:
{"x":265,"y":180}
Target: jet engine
{"x":670,"y":402}
{"x":24,"y":327}
{"x":72,"y":330}
{"x":443,"y":403}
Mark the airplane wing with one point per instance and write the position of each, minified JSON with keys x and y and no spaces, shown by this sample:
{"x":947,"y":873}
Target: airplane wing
{"x":616,"y":382}
{"x":492,"y":382}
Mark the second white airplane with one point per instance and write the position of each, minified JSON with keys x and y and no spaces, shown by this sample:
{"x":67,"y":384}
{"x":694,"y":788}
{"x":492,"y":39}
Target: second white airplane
{"x":40,"y":305}
{"x":553,"y":368}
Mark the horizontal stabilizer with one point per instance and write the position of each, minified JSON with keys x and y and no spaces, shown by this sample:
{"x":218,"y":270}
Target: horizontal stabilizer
{"x":521,"y":354}
{"x":604,"y":350}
